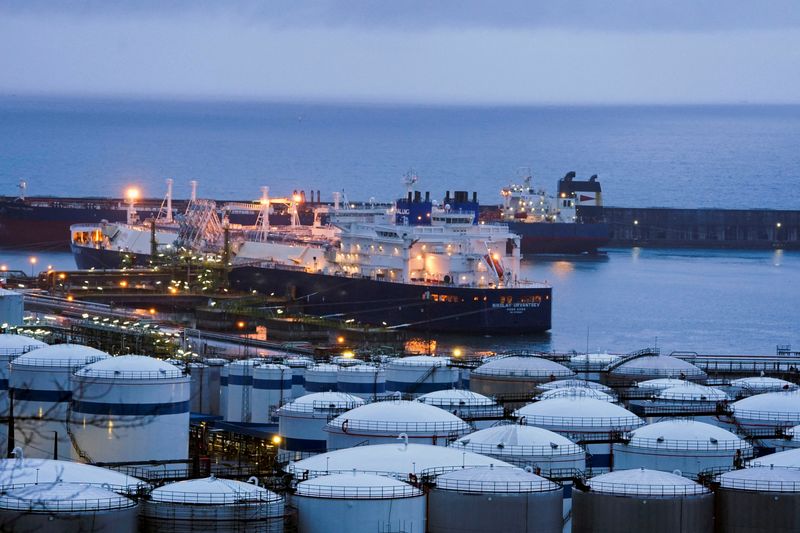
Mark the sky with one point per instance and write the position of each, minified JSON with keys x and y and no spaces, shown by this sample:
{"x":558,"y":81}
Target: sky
{"x":513,"y":52}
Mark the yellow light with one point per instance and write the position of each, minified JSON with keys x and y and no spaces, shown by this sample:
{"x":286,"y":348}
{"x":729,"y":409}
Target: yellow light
{"x":457,"y":352}
{"x":348,"y":354}
{"x":123,"y":283}
{"x":496,"y":256}
{"x":152,"y":310}
{"x":132,"y":194}
{"x":3,"y":268}
{"x":276,"y":439}
{"x":297,"y":198}
{"x":340,"y":339}
{"x":240,"y":324}
{"x":62,"y":276}
{"x":173,"y":290}
{"x":33,"y":260}
{"x":49,"y":267}
{"x":70,"y":298}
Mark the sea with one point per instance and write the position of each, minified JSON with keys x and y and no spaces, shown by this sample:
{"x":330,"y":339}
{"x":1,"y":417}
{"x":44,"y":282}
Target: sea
{"x":704,"y":301}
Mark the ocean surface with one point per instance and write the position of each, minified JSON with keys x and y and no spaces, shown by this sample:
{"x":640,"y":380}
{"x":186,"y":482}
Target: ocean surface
{"x":695,"y":300}
{"x":690,"y":156}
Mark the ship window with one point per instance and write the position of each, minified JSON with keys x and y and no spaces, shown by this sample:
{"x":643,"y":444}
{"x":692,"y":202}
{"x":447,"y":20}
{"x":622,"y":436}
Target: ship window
{"x":506,"y":299}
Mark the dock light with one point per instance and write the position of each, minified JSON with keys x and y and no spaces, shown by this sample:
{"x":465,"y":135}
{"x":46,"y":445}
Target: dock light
{"x":457,"y":352}
{"x":348,"y":354}
{"x":240,"y":324}
{"x":276,"y":439}
{"x":635,"y":222}
{"x":173,"y":290}
{"x":132,"y":194}
{"x":297,"y":198}
{"x":778,"y":225}
{"x":62,"y":276}
{"x":152,"y":310}
{"x":123,"y":283}
{"x":70,"y":297}
{"x":340,"y":339}
{"x":33,"y":261}
{"x":49,"y":267}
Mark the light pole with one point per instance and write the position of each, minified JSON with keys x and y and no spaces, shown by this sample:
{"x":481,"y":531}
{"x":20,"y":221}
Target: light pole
{"x":33,"y":263}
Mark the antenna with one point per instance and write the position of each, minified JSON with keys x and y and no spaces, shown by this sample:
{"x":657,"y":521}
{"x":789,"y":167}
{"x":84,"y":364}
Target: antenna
{"x":409,"y":179}
{"x":587,"y":341}
{"x":23,"y":186}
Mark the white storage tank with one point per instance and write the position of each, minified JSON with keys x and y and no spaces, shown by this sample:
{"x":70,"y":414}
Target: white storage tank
{"x":784,"y":459}
{"x":239,"y":392}
{"x":323,"y":377}
{"x":130,"y":408}
{"x":272,"y":386}
{"x":653,"y":367}
{"x":199,"y":400}
{"x":67,"y":507}
{"x":356,"y":503}
{"x":213,"y":504}
{"x":11,"y":307}
{"x":570,"y":392}
{"x":582,"y":419}
{"x":382,"y":422}
{"x":515,"y":375}
{"x":301,"y":422}
{"x":691,"y":400}
{"x":298,"y":366}
{"x":758,"y":499}
{"x":687,"y":446}
{"x":767,"y":414}
{"x":481,"y":499}
{"x":21,"y":472}
{"x":419,"y":374}
{"x":641,"y":500}
{"x":11,"y":346}
{"x":548,"y":453}
{"x":572,"y":383}
{"x":400,"y":460}
{"x":591,"y":365}
{"x":223,"y":390}
{"x":213,"y":370}
{"x":654,"y":386}
{"x":40,"y":380}
{"x":743,"y":387}
{"x":365,"y":381}
{"x":470,"y":406}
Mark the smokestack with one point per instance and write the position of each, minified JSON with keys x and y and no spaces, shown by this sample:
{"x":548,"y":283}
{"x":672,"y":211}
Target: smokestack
{"x":427,"y":196}
{"x":475,"y":196}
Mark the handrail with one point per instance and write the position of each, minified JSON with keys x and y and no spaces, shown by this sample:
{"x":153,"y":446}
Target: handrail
{"x":318,"y":407}
{"x":90,"y":373}
{"x":771,"y":416}
{"x":348,"y":425}
{"x":477,"y":485}
{"x":76,"y":504}
{"x":693,"y":445}
{"x":356,"y":493}
{"x":60,"y":362}
{"x":524,"y":373}
{"x":636,"y":489}
{"x":591,"y":422}
{"x":234,"y":497}
{"x":526,"y":450}
{"x":767,"y":485}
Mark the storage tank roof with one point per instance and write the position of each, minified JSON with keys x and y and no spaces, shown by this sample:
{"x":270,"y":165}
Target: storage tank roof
{"x":272,"y":366}
{"x":762,"y":479}
{"x":11,"y":343}
{"x":398,"y":460}
{"x":661,"y":383}
{"x":455,"y":397}
{"x":643,"y":482}
{"x":516,"y":439}
{"x":658,"y":365}
{"x":571,"y":392}
{"x":356,"y":485}
{"x":578,"y":412}
{"x":364,"y":368}
{"x":399,"y":415}
{"x":323,"y":401}
{"x":420,"y":360}
{"x":786,"y":459}
{"x":247,"y":362}
{"x":692,"y":392}
{"x":494,"y":480}
{"x":763,"y":383}
{"x":57,"y":497}
{"x":131,"y":367}
{"x":684,"y":434}
{"x":66,"y":355}
{"x":15,"y":472}
{"x":298,"y":362}
{"x":523,"y":366}
{"x":212,"y":491}
{"x":323,"y":367}
{"x":571,"y":383}
{"x":775,"y":406}
{"x":594,"y":358}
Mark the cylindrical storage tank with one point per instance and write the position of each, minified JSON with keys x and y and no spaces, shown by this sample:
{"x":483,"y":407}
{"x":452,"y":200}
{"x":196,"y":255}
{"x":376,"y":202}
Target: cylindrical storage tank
{"x":570,"y":392}
{"x":382,"y":422}
{"x":582,"y":419}
{"x":199,"y":396}
{"x":743,"y":387}
{"x":40,"y":381}
{"x":214,"y":368}
{"x":298,"y":366}
{"x":130,"y":408}
{"x":467,"y":405}
{"x":345,"y":360}
{"x":301,"y":422}
{"x":213,"y":504}
{"x":767,"y":414}
{"x":640,"y":500}
{"x":364,"y":381}
{"x":784,"y":459}
{"x":356,"y":502}
{"x":515,"y":376}
{"x":67,"y":507}
{"x":573,"y":383}
{"x":11,"y":346}
{"x":654,"y":386}
{"x":272,"y":386}
{"x":322,"y":378}
{"x":761,"y":499}
{"x":224,"y":372}
{"x":591,"y":365}
{"x":419,"y":374}
{"x":692,"y":400}
{"x":20,"y":472}
{"x":548,"y":453}
{"x":239,"y":395}
{"x":648,"y":367}
{"x":481,"y":499}
{"x":687,"y":446}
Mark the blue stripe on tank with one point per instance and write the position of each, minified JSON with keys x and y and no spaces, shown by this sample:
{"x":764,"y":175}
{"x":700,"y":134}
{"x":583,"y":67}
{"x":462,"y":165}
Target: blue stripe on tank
{"x":272,"y":384}
{"x":127,"y":409}
{"x":418,"y":388}
{"x":33,"y":395}
{"x":298,"y":380}
{"x":316,"y":386}
{"x":223,"y":381}
{"x":3,"y":384}
{"x":240,"y":380}
{"x":304,"y":445}
{"x":599,"y":460}
{"x":376,"y":388}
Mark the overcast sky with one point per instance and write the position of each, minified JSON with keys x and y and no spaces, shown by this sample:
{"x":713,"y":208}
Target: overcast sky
{"x":434,"y":51}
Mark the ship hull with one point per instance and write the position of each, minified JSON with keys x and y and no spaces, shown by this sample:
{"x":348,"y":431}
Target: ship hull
{"x":419,"y":307}
{"x":94,"y":258}
{"x":559,"y":237}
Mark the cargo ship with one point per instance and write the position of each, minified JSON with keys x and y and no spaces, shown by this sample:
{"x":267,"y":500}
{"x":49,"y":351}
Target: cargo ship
{"x":572,"y":222}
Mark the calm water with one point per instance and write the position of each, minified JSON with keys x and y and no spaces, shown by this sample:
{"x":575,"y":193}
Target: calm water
{"x":704,"y":301}
{"x":730,"y":156}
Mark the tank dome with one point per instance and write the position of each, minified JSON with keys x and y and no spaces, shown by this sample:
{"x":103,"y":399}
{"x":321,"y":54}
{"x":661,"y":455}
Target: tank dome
{"x":19,"y":472}
{"x":599,"y":358}
{"x":323,"y":401}
{"x":685,"y":434}
{"x":59,"y":497}
{"x":397,"y":460}
{"x":785,"y":459}
{"x":454,"y":398}
{"x":573,"y":383}
{"x":762,"y":478}
{"x":420,"y":360}
{"x":661,"y":383}
{"x":760,"y":384}
{"x":578,"y":413}
{"x":571,"y":392}
{"x":398,"y":415}
{"x":212,"y":491}
{"x":130,"y":367}
{"x":60,"y":355}
{"x":16,"y":343}
{"x":644,"y":482}
{"x":518,"y":366}
{"x":491,"y":479}
{"x":777,"y":407}
{"x":692,"y":392}
{"x":658,"y":366}
{"x":355,"y":485}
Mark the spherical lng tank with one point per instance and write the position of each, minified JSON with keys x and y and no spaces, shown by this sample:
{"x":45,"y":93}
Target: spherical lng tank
{"x":301,"y":422}
{"x":758,"y":499}
{"x":40,"y":381}
{"x":239,"y":391}
{"x":130,"y":408}
{"x":582,"y":419}
{"x":298,"y":366}
{"x":365,"y":381}
{"x":548,"y":453}
{"x":648,"y":367}
{"x":323,"y":377}
{"x":272,"y":386}
{"x":420,"y":374}
{"x":515,"y":375}
{"x":382,"y":422}
{"x":66,"y":507}
{"x":399,"y":460}
{"x":688,"y":446}
{"x":11,"y":346}
{"x":640,"y":500}
{"x":481,"y":499}
{"x":213,"y":504}
{"x":358,"y":503}
{"x":467,"y":405}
